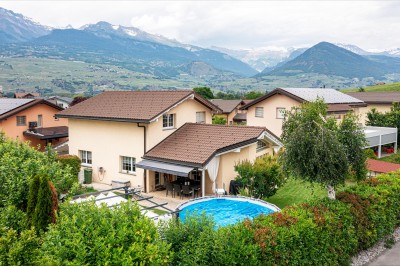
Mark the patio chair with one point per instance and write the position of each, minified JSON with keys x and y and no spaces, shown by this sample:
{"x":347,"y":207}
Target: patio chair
{"x":169,"y":187}
{"x":177,"y":189}
{"x":186,"y":191}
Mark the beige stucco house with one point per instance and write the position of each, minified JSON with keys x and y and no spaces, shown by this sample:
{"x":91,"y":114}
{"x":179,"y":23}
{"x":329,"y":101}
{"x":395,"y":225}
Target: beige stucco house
{"x":112,"y":131}
{"x":381,"y":101}
{"x":206,"y":154}
{"x":231,"y":111}
{"x":269,"y":110}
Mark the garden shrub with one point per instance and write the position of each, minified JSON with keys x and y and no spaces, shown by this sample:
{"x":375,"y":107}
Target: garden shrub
{"x":72,"y":161}
{"x":19,"y":163}
{"x":19,"y":249}
{"x":86,"y":234}
{"x":13,"y":218}
{"x":198,"y":242}
{"x":375,"y":204}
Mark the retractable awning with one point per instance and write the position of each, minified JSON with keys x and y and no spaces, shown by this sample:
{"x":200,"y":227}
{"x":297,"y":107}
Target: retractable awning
{"x":167,"y":168}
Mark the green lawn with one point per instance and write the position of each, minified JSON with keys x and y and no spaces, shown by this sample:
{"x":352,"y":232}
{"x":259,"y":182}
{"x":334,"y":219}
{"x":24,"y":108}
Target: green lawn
{"x":394,"y":158}
{"x":296,"y":191}
{"x":378,"y":88}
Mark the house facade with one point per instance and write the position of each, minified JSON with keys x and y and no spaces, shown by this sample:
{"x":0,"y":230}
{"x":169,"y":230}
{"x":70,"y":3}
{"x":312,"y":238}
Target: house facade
{"x":231,"y":111}
{"x":32,"y":120}
{"x":269,"y":110}
{"x":381,"y":101}
{"x":112,"y":131}
{"x":63,"y":102}
{"x":206,"y":154}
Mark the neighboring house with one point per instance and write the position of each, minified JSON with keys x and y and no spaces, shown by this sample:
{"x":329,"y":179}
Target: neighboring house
{"x":381,"y":101}
{"x":32,"y":120}
{"x":231,"y":111}
{"x":63,"y":102}
{"x":376,"y":167}
{"x":112,"y":131}
{"x":26,"y":95}
{"x":206,"y":153}
{"x":269,"y":110}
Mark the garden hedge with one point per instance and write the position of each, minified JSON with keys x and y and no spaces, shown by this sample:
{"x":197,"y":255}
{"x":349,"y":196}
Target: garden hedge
{"x":320,"y":232}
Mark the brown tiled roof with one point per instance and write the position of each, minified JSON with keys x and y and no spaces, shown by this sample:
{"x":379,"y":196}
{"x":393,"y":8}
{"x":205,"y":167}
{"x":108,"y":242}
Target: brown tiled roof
{"x":381,"y":167}
{"x":227,"y":106}
{"x":332,"y":108}
{"x":140,"y":106}
{"x":377,"y":97}
{"x":25,"y":94}
{"x":24,"y":104}
{"x":195,"y":144}
{"x":240,"y":117}
{"x":48,"y":132}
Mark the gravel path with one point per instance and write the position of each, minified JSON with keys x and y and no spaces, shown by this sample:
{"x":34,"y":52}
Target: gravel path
{"x":372,"y":253}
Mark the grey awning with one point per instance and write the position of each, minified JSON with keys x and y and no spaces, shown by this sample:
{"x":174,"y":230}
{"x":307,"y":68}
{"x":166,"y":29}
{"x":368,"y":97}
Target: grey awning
{"x":167,"y":168}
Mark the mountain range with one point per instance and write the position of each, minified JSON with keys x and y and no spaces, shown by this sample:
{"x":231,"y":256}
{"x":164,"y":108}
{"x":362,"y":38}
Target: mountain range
{"x":138,"y":51}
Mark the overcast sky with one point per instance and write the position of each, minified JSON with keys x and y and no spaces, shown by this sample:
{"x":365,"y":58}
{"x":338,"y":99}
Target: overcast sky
{"x":234,"y":24}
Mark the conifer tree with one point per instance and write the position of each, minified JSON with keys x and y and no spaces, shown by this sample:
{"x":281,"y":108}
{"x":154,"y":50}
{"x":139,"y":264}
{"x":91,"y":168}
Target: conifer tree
{"x":42,"y":217}
{"x":32,"y":198}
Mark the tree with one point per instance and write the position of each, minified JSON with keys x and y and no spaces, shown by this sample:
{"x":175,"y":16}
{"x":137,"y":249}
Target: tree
{"x":43,"y":210}
{"x":261,"y":178}
{"x":32,"y":198}
{"x":352,"y":136}
{"x":205,"y":92}
{"x":253,"y":95}
{"x":218,"y":120}
{"x":316,"y":149}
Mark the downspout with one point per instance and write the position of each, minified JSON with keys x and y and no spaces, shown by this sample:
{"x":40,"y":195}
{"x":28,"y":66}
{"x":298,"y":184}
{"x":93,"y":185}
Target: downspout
{"x":144,"y":151}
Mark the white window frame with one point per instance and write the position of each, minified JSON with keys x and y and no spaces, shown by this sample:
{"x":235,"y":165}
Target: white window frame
{"x":280,"y":112}
{"x":168,"y":121}
{"x":23,"y":122}
{"x":128,"y":164}
{"x":86,"y":157}
{"x":201,"y":117}
{"x":261,"y":145}
{"x":259,"y":112}
{"x":40,"y":121}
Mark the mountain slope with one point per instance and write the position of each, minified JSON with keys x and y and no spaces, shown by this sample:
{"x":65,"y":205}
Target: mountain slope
{"x":17,"y":28}
{"x":328,"y":59}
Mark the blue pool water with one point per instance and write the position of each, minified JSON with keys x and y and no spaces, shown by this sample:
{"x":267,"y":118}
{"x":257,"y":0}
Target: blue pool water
{"x":226,"y":211}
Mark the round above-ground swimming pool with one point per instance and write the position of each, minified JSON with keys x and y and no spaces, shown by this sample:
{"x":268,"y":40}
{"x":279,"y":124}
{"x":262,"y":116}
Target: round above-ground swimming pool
{"x":226,"y":210}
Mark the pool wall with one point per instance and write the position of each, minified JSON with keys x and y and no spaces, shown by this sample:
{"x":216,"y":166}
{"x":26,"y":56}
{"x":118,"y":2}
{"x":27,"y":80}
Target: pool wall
{"x":237,"y":198}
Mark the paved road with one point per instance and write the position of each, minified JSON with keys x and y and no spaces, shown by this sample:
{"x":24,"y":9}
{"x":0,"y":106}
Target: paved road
{"x":390,"y":257}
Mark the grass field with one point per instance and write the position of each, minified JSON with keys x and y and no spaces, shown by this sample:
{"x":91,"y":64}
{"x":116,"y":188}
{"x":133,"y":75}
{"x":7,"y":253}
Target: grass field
{"x":296,"y":191}
{"x":386,"y":87}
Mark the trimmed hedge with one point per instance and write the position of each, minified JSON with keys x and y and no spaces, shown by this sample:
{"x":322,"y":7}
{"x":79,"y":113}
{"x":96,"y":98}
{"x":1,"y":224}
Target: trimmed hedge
{"x":320,"y":232}
{"x":73,"y":161}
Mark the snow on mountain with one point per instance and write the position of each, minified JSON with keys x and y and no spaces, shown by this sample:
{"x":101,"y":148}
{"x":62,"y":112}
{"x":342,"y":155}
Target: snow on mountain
{"x":353,"y":48}
{"x":16,"y":27}
{"x":260,"y":58}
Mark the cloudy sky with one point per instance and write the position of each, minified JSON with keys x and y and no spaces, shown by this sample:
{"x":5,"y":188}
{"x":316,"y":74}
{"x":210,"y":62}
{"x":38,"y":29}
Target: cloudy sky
{"x":234,"y":24}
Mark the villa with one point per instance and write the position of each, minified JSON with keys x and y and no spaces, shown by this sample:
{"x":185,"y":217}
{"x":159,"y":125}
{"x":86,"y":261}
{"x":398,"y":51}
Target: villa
{"x":231,"y":111}
{"x":269,"y":110}
{"x":32,"y":120}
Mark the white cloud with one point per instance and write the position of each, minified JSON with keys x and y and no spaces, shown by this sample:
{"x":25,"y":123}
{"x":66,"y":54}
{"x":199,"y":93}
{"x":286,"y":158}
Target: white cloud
{"x":235,"y":24}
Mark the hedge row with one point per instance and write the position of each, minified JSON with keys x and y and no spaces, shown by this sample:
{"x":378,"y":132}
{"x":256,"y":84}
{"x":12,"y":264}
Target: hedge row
{"x":322,"y":232}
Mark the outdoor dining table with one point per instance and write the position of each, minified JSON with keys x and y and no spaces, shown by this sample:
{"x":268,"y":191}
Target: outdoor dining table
{"x":192,"y":185}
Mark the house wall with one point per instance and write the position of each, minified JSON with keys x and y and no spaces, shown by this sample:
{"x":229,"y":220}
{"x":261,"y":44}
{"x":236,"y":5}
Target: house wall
{"x":226,"y":171}
{"x":269,"y":120}
{"x":108,"y":141}
{"x":10,"y":128}
{"x":185,"y":113}
{"x":362,"y":111}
